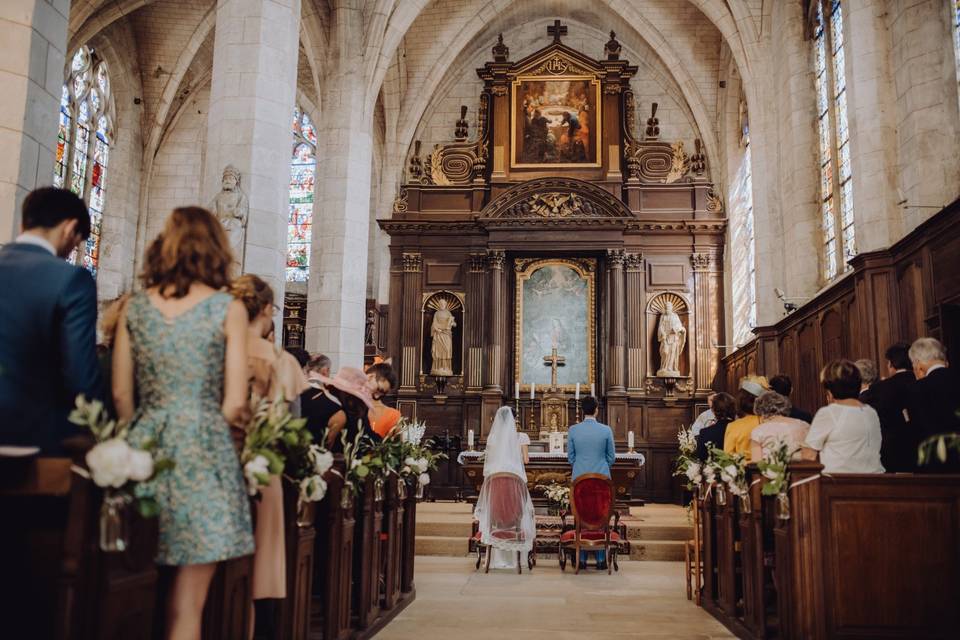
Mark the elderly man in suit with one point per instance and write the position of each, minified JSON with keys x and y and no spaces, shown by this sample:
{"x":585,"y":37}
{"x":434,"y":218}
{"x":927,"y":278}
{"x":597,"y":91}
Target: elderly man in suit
{"x":936,"y":399}
{"x":48,"y":318}
{"x":590,"y":450}
{"x":892,"y":398}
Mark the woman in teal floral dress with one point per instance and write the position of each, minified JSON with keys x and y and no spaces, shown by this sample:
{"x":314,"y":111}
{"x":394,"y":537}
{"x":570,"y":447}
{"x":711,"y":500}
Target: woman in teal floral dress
{"x":182,"y":341}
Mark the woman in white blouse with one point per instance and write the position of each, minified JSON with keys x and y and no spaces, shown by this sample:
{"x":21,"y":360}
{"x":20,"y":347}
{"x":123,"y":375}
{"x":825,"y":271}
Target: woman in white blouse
{"x":846,"y":432}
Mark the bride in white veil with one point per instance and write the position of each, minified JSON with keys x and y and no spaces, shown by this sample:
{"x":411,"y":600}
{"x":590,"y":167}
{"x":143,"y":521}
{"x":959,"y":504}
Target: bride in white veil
{"x":503,"y":455}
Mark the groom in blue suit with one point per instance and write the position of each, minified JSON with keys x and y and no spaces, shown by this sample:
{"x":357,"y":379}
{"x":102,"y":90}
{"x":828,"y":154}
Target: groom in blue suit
{"x":590,"y":450}
{"x":48,"y":323}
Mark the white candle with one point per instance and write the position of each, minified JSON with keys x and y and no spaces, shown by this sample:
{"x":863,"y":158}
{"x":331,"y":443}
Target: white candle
{"x":516,"y":390}
{"x":470,"y":438}
{"x":576,"y":394}
{"x":533,"y":390}
{"x":630,"y":439}
{"x":593,"y":391}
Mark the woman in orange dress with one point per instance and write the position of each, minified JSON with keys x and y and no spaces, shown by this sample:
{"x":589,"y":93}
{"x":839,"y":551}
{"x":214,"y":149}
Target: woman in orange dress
{"x":382,"y":380}
{"x":274,"y":373}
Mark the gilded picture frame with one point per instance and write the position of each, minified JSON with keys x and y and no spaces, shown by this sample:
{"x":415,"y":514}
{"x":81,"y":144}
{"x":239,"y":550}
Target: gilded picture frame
{"x":555,"y":122}
{"x":584,"y":337}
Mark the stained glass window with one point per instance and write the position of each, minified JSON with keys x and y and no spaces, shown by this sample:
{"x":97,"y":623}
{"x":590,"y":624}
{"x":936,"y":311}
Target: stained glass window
{"x":303,"y":169}
{"x":83,"y":143}
{"x":955,"y":19}
{"x":743,"y":245}
{"x":833,"y":133}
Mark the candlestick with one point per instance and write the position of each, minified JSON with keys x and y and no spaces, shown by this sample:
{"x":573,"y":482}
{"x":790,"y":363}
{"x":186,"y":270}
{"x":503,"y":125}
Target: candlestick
{"x":533,"y":390}
{"x":576,"y":394}
{"x":630,"y":441}
{"x":516,"y":390}
{"x":470,"y":439}
{"x":593,"y":390}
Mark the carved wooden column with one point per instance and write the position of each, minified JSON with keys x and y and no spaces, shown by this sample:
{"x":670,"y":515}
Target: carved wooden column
{"x":635,"y":308}
{"x":496,"y":330}
{"x":412,"y":267}
{"x":476,"y":299}
{"x":706,"y":318}
{"x":615,"y":261}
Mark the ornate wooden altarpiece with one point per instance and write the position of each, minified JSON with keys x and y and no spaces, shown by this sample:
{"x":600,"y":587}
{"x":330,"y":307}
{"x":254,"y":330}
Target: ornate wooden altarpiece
{"x":636,"y":212}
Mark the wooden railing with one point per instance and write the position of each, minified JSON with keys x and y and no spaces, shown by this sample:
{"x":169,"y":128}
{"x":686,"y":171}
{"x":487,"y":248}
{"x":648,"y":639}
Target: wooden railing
{"x":349,"y":562}
{"x":860,"y":556}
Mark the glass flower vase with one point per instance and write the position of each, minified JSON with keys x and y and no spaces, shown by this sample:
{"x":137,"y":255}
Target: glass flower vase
{"x":721,"y":493}
{"x":783,"y":506}
{"x":114,"y":522}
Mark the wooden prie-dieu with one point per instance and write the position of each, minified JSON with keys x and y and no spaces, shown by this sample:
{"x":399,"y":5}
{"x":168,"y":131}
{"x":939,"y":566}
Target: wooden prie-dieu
{"x":635,"y":217}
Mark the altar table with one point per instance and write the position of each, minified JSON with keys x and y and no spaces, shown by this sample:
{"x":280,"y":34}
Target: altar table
{"x":545,"y":468}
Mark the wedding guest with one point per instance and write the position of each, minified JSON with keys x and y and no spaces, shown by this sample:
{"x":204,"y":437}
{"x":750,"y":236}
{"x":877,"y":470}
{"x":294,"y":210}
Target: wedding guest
{"x":868,"y":375}
{"x":184,"y":341}
{"x":846,"y":432}
{"x":724,"y":407}
{"x":274,"y":374}
{"x":317,"y":404}
{"x":782,"y":384}
{"x":736,"y":439}
{"x":382,"y":380}
{"x":936,"y":403}
{"x":48,"y":323}
{"x":706,"y":418}
{"x":108,"y":332}
{"x":590,"y":449}
{"x":302,"y":355}
{"x":892,"y":399}
{"x":776,"y":426}
{"x":349,"y":391}
{"x":318,"y":366}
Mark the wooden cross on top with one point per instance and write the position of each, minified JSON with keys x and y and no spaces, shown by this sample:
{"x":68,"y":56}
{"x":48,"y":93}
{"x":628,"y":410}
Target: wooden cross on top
{"x":556,"y":30}
{"x":553,"y":361}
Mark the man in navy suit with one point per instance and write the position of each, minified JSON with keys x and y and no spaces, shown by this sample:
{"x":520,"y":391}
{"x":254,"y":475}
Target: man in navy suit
{"x":48,"y":318}
{"x":590,"y":450}
{"x":935,"y":409}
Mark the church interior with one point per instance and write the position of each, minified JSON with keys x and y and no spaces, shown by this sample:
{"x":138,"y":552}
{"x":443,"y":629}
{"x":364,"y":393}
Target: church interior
{"x":545,"y":205}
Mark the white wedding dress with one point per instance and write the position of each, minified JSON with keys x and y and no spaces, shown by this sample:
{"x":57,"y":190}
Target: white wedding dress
{"x":503,"y":455}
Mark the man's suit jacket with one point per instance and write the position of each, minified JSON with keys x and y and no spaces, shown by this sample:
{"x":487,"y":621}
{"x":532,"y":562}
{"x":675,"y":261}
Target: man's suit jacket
{"x":590,"y":448}
{"x":936,"y":400}
{"x":48,"y":335}
{"x":891,"y":397}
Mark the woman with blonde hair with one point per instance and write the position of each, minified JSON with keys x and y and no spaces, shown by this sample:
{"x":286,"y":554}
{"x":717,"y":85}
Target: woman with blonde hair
{"x":276,"y":375}
{"x":183,"y":340}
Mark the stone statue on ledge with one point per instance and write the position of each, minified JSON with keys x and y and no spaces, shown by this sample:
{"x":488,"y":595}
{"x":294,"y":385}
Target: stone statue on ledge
{"x":233,"y":211}
{"x":442,"y":333}
{"x":672,"y":336}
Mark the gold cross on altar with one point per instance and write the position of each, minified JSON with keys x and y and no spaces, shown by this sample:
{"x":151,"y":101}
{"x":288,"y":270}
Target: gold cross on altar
{"x":553,"y":361}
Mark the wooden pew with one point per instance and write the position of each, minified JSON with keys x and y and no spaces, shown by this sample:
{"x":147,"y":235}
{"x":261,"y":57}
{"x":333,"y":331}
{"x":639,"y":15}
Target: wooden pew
{"x":293,"y":614}
{"x":56,"y":582}
{"x":393,"y":542}
{"x":365,"y":602}
{"x":409,"y":541}
{"x":333,"y":559}
{"x":226,"y":613}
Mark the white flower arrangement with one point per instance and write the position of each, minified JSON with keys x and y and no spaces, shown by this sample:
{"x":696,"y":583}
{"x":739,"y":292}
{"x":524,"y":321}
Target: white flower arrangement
{"x":271,"y":435}
{"x":558,"y":494}
{"x":112,"y":463}
{"x":730,"y":469}
{"x":688,"y":466}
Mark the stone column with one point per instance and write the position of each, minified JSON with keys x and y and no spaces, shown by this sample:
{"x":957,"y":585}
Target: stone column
{"x":706,"y":319}
{"x":476,"y":307}
{"x":31,"y":74}
{"x":409,"y":332}
{"x":251,"y":106}
{"x":495,"y":330}
{"x":615,"y":261}
{"x":635,"y":309}
{"x":338,"y":261}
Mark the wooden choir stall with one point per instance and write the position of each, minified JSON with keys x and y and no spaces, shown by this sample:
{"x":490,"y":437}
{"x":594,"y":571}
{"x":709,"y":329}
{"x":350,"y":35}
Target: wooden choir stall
{"x":557,"y":246}
{"x":349,"y":561}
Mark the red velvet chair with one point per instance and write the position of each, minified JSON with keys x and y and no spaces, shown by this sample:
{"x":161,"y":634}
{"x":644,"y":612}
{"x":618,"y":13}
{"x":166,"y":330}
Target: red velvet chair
{"x":506,"y":515}
{"x":591,"y":501}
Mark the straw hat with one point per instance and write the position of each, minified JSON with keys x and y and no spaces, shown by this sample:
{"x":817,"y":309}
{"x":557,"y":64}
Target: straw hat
{"x":352,"y":381}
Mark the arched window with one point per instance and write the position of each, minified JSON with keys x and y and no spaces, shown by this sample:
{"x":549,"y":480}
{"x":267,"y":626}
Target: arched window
{"x":743,"y":243}
{"x":83,"y":143}
{"x":836,"y":187}
{"x":303,"y":170}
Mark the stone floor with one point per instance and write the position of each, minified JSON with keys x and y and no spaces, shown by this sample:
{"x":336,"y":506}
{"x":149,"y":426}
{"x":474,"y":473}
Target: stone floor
{"x":643,"y":600}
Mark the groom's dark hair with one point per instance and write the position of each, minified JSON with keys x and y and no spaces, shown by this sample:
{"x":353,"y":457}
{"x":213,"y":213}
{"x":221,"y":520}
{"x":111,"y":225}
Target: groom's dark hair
{"x":590,"y":405}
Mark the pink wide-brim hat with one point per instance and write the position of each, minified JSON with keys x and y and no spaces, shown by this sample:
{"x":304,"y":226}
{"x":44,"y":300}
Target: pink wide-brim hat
{"x":352,"y":381}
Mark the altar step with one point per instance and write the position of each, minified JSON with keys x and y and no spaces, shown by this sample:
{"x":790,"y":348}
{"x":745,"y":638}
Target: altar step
{"x":655,"y":531}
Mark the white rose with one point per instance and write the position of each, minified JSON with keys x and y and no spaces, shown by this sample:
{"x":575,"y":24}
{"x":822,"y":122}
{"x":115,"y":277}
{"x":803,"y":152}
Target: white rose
{"x":109,"y":463}
{"x":141,"y":465}
{"x":313,"y":489}
{"x":423,"y":465}
{"x":410,"y":461}
{"x":731,"y":470}
{"x":258,"y":466}
{"x":322,"y":460}
{"x":770,"y":474}
{"x":424,"y":479}
{"x":693,"y":471}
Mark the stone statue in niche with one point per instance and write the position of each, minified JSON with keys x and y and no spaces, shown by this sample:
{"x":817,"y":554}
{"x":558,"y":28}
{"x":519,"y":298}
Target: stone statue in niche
{"x":233,"y":211}
{"x":672,"y":336}
{"x":441,"y":352}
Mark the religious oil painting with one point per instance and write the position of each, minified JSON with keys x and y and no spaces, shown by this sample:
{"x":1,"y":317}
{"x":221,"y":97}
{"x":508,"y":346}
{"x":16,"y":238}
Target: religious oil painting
{"x":556,"y":122}
{"x":555,"y":311}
